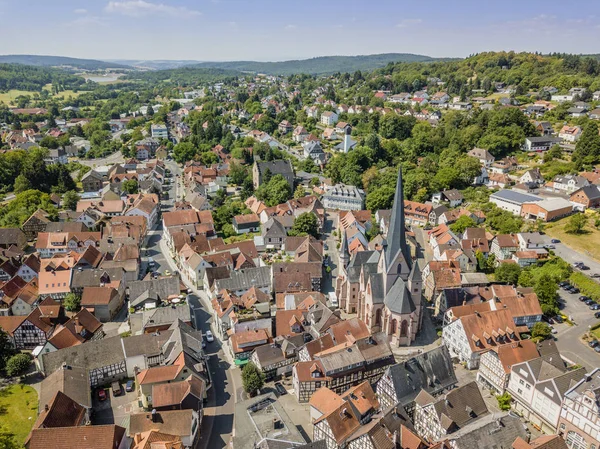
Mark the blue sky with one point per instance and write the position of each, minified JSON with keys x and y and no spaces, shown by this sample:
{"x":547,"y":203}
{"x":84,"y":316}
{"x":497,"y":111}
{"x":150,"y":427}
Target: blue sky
{"x":288,"y":29}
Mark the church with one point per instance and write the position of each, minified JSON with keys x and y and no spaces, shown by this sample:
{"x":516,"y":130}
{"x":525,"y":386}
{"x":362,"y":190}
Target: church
{"x":384,"y":287}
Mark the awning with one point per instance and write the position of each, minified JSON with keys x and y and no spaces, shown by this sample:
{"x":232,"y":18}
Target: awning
{"x":241,"y":362}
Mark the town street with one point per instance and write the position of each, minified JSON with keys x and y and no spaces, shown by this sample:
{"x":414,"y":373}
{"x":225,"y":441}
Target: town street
{"x":217,"y":424}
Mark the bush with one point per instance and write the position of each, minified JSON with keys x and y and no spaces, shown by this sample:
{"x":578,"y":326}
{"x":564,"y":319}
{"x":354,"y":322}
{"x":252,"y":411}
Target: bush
{"x":588,"y":286}
{"x":540,"y":331}
{"x":504,"y":401}
{"x":72,"y":302}
{"x":508,"y":272}
{"x":252,"y":378}
{"x":18,"y":364}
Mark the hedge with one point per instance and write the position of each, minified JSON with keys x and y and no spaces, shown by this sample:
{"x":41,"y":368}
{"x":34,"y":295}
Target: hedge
{"x":588,"y":286}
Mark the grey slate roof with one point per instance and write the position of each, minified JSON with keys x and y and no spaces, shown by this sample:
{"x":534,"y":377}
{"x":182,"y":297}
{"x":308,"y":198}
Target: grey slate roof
{"x":91,"y":355}
{"x":515,"y":197}
{"x":269,"y":354}
{"x":432,"y":371}
{"x":495,"y":434}
{"x":398,"y":299}
{"x":145,"y":344}
{"x":361,"y":258}
{"x":72,"y":381}
{"x":274,"y":229}
{"x":165,"y":315}
{"x":92,"y":277}
{"x":377,"y":290}
{"x":396,"y":237}
{"x":246,"y":279}
{"x":278,"y":167}
{"x":160,"y":288}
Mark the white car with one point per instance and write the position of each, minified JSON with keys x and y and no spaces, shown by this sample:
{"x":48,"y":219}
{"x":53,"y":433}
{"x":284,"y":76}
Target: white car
{"x":209,"y":337}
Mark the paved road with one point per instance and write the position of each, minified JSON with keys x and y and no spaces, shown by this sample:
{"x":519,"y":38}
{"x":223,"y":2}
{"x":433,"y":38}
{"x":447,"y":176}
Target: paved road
{"x":570,"y":255}
{"x":569,"y":337}
{"x":217,"y":424}
{"x":330,"y":225}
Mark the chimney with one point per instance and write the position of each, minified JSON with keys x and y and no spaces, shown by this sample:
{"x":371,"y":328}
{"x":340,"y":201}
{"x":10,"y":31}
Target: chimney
{"x":153,"y":416}
{"x":46,"y":408}
{"x":396,"y":438}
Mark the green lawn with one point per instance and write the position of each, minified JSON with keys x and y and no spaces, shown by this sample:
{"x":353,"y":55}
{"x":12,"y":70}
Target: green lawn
{"x":18,"y":410}
{"x":587,"y":243}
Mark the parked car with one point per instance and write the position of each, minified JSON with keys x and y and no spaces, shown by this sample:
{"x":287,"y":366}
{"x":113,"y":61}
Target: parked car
{"x":549,"y":246}
{"x":151,"y":262}
{"x":102,"y":394}
{"x":584,"y":267}
{"x":280,"y":389}
{"x":558,"y":319}
{"x":589,"y":302}
{"x":595,"y":306}
{"x":597,"y":314}
{"x":554,"y":241}
{"x":563,"y":284}
{"x":116,"y":389}
{"x":597,"y":348}
{"x":574,"y":290}
{"x":566,"y":287}
{"x":584,"y":298}
{"x":209,"y":337}
{"x":554,"y":331}
{"x":595,"y":275}
{"x":548,"y":319}
{"x":167,"y":273}
{"x":593,"y":343}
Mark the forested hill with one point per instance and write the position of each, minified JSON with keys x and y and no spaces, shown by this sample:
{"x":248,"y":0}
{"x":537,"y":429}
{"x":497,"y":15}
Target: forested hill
{"x":53,"y":61}
{"x":31,"y":78}
{"x":318,"y":66}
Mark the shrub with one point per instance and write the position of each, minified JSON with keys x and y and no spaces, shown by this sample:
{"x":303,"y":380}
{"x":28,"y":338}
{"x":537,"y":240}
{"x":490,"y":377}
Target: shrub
{"x":18,"y":364}
{"x":504,"y":401}
{"x":588,"y":286}
{"x":252,"y":378}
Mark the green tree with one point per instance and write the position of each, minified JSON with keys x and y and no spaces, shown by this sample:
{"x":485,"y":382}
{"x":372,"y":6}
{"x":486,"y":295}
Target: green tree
{"x":299,"y":192}
{"x":587,"y":149}
{"x":306,"y":223}
{"x":545,"y":288}
{"x":508,"y":272}
{"x":540,"y":331}
{"x":237,"y":174}
{"x":253,"y":378}
{"x":183,"y":152}
{"x":504,"y":401}
{"x":18,"y":364}
{"x":130,"y":186}
{"x":6,"y":349}
{"x":526,"y":278}
{"x":463,"y":222}
{"x":381,"y":198}
{"x":70,"y":200}
{"x":276,"y":191}
{"x":7,"y":440}
{"x":576,"y":224}
{"x":22,"y":184}
{"x":150,"y":111}
{"x":72,"y":302}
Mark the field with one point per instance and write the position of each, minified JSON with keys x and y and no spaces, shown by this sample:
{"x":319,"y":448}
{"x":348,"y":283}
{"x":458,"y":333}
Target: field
{"x":587,"y":243}
{"x":18,"y":410}
{"x":9,"y":97}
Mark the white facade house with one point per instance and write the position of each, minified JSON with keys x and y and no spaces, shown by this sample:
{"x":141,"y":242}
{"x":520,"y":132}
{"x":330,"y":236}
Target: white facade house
{"x":159,"y":131}
{"x":343,"y":197}
{"x":570,"y":133}
{"x":329,"y":118}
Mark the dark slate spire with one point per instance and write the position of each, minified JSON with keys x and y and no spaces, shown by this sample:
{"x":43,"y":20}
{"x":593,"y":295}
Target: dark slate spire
{"x":344,"y":252}
{"x":396,"y":237}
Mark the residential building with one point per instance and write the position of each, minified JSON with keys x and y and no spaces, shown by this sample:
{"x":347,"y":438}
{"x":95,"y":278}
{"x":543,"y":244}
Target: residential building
{"x":107,"y":436}
{"x":470,"y":335}
{"x":496,"y":365}
{"x":579,"y":422}
{"x":538,"y":387}
{"x":543,"y":143}
{"x":431,"y":371}
{"x":343,"y":197}
{"x":243,"y":224}
{"x":159,"y":131}
{"x":484,"y":156}
{"x":570,"y":133}
{"x":184,"y":424}
{"x":329,"y":118}
{"x":586,"y":197}
{"x":437,"y":418}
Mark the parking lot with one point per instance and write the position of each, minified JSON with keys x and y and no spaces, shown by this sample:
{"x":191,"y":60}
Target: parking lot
{"x":114,"y":409}
{"x":569,"y":336}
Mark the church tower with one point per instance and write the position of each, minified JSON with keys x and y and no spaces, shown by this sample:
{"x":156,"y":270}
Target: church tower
{"x":398,"y":262}
{"x":344,"y":252}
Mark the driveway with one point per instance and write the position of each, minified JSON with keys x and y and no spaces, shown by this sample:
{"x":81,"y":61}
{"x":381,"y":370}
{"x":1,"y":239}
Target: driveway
{"x":115,"y":409}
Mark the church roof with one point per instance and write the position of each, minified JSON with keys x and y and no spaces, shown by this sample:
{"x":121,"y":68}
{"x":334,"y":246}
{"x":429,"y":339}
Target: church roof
{"x":396,"y":238}
{"x":398,"y":299}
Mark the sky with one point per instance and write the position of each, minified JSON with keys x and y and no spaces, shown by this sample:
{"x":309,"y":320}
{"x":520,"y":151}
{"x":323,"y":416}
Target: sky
{"x":275,"y":30}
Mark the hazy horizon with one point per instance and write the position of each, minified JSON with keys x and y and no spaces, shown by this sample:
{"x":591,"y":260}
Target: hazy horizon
{"x":267,"y":30}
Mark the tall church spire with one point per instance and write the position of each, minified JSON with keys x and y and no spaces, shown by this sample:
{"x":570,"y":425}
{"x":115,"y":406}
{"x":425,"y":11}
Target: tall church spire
{"x":344,"y":252}
{"x":396,"y":237}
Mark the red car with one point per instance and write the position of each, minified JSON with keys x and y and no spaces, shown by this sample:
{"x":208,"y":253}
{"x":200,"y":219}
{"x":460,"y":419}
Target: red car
{"x":102,"y":395}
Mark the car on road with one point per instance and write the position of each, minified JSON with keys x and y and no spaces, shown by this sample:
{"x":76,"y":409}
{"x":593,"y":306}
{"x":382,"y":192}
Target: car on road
{"x":209,"y":337}
{"x":325,"y":247}
{"x":593,"y":343}
{"x":116,"y":389}
{"x":280,"y":389}
{"x":129,"y":386}
{"x":102,"y":394}
{"x":554,"y":241}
